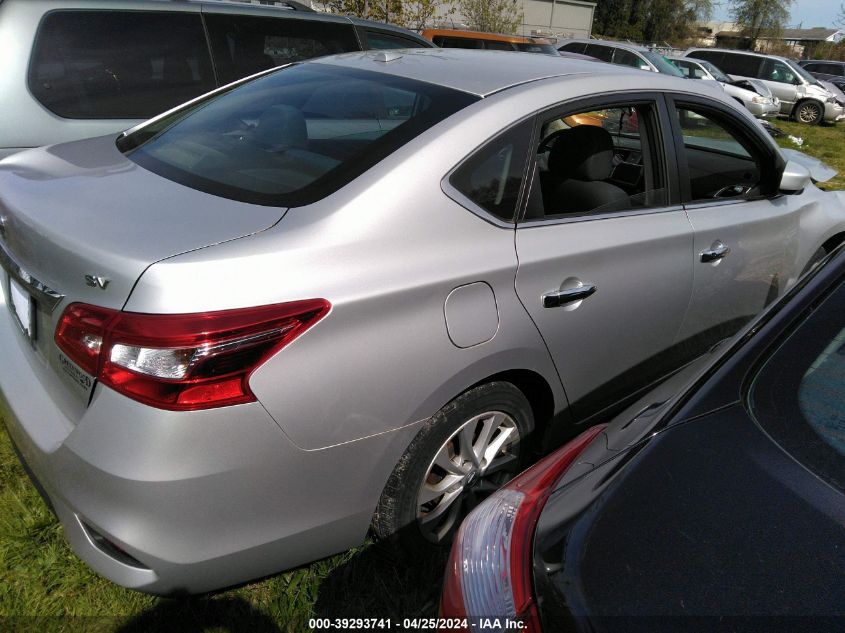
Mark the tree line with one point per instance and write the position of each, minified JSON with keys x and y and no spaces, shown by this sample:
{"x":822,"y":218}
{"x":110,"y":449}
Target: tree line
{"x":672,"y":21}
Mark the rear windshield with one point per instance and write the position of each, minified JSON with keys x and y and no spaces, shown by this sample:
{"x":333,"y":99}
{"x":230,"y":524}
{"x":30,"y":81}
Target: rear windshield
{"x":291,"y":137}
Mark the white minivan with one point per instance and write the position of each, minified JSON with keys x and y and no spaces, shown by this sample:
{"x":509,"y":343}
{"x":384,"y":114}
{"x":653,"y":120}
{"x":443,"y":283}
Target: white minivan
{"x":801,"y":95}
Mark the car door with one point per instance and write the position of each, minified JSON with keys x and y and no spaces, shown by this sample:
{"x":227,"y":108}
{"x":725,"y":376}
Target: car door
{"x":784,"y":82}
{"x":606,"y":281}
{"x":745,"y":233}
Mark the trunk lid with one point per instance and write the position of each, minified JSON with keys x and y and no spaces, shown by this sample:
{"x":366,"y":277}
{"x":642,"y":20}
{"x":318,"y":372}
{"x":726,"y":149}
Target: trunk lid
{"x":82,"y":208}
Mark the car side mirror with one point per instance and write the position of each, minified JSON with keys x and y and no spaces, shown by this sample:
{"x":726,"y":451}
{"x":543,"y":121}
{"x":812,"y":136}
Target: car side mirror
{"x":795,"y":178}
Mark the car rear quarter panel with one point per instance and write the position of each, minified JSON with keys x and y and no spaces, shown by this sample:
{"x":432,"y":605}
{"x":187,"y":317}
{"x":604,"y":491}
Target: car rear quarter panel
{"x":386,"y":251}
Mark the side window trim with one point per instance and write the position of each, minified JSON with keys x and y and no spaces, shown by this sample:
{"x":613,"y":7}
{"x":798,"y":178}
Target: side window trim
{"x":661,"y":148}
{"x":736,"y":126}
{"x":468,"y":203}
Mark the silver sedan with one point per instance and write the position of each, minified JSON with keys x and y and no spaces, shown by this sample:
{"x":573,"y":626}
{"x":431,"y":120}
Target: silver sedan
{"x":358,"y":293}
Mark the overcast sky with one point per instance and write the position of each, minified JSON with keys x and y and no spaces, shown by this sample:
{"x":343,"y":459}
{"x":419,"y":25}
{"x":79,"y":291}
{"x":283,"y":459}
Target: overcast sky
{"x":810,"y":12}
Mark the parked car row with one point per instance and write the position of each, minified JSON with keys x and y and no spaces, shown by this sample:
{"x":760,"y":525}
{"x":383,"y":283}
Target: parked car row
{"x":216,"y":366}
{"x":777,"y":81}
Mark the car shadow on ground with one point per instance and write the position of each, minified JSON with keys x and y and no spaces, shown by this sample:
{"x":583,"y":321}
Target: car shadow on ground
{"x":197,"y":615}
{"x":384,"y":581}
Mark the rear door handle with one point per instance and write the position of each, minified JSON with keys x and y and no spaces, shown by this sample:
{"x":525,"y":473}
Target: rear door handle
{"x":570,"y":295}
{"x":715,"y":252}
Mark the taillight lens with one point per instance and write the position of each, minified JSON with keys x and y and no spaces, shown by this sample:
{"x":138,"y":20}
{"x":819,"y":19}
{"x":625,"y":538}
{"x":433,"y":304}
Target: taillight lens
{"x":489,"y":575}
{"x":182,"y":361}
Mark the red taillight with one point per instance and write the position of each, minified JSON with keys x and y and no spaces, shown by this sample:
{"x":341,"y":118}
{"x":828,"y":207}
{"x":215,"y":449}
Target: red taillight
{"x":182,"y":362}
{"x":489,"y":574}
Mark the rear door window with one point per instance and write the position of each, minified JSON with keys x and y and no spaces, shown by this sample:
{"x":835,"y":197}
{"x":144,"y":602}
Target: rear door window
{"x":742,"y":65}
{"x":244,"y":45}
{"x":118,"y":64}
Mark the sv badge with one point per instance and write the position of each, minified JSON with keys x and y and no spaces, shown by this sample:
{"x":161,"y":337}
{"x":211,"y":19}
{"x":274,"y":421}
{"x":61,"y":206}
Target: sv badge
{"x":97,"y":282}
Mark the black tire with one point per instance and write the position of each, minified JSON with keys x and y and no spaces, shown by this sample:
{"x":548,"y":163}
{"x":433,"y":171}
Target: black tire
{"x":398,"y":507}
{"x":809,"y":112}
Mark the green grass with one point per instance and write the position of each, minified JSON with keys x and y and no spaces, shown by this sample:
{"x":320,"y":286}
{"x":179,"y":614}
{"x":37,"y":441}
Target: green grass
{"x":825,"y":142}
{"x":44,"y":587}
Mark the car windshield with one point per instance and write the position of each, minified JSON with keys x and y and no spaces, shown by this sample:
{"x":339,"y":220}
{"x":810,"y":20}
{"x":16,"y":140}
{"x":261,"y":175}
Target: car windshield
{"x":291,"y":137}
{"x":662,"y":64}
{"x":533,"y":47}
{"x":718,"y":75}
{"x":801,"y":71}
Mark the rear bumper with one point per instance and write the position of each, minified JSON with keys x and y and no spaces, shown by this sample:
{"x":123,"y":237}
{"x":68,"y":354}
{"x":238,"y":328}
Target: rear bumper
{"x":187,"y":502}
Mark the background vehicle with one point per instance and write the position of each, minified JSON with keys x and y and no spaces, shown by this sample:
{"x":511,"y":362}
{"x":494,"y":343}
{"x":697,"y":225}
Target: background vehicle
{"x":732,"y":470}
{"x":755,"y":96}
{"x":75,"y":69}
{"x":454,"y":38}
{"x":829,"y":70}
{"x":800,"y":94}
{"x":357,"y":292}
{"x":621,"y":54}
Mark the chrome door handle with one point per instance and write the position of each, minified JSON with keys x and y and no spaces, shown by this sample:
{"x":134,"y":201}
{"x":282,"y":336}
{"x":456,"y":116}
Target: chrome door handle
{"x":562,"y":297}
{"x":718,"y":251}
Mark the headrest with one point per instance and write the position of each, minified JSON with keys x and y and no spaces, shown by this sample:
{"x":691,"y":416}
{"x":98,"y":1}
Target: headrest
{"x":281,"y":126}
{"x":584,"y":152}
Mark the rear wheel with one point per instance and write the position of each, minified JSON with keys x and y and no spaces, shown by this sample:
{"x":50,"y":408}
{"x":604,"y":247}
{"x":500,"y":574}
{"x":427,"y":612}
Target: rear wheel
{"x":467,"y":451}
{"x":809,"y":112}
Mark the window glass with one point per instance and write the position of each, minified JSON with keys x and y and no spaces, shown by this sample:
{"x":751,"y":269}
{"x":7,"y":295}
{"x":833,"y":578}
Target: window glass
{"x":496,"y":45}
{"x":604,"y":53}
{"x":119,"y":64}
{"x":457,"y":42}
{"x":719,"y":165}
{"x":798,"y":396}
{"x":245,"y":45}
{"x":738,"y":64}
{"x":714,"y":57}
{"x":774,"y":70}
{"x":492,"y":177}
{"x":535,"y":47}
{"x":662,"y":64}
{"x":627,"y":58}
{"x":291,"y":137}
{"x":573,"y":47}
{"x":379,"y":40}
{"x":718,"y":75}
{"x":596,"y":161}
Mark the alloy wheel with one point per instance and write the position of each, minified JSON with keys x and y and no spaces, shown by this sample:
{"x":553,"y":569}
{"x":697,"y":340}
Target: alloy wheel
{"x":476,"y":460}
{"x":809,"y":113}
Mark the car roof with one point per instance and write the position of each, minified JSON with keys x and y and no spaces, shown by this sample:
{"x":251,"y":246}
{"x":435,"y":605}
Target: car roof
{"x":483,"y":73}
{"x":629,"y":45}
